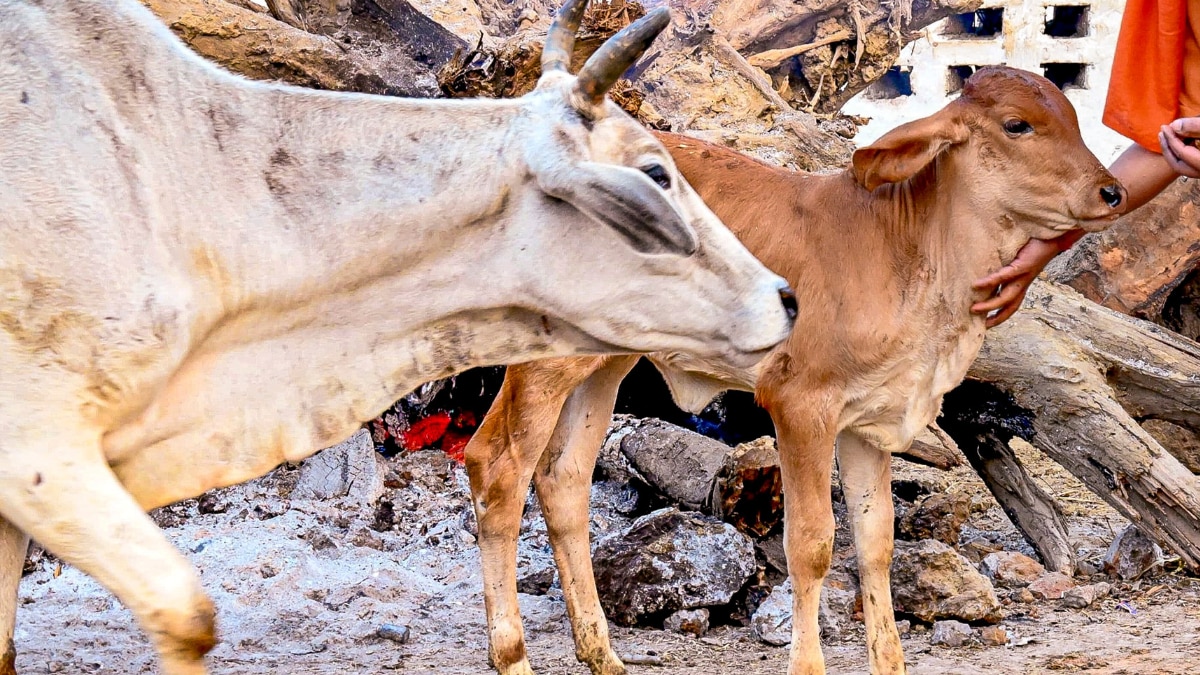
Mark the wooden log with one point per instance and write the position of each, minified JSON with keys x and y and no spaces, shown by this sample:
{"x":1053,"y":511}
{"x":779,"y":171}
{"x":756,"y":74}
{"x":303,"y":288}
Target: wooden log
{"x":934,"y":447}
{"x":1080,"y":370}
{"x":984,"y":419}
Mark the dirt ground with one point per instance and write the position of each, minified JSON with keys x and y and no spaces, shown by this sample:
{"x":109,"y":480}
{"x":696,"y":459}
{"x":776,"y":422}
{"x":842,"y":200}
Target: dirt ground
{"x":303,"y":587}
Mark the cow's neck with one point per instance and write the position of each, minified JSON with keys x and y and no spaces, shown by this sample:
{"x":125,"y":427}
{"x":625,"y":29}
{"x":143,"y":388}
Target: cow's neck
{"x":342,"y":190}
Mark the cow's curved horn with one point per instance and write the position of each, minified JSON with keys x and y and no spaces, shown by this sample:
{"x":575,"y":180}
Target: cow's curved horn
{"x":560,"y":39}
{"x":615,"y":56}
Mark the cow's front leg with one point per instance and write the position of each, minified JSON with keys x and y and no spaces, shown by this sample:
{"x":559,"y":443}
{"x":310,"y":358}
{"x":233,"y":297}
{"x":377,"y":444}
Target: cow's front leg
{"x":563,"y":482}
{"x":866,"y":473}
{"x":59,"y":490}
{"x":13,"y":546}
{"x":501,"y":458}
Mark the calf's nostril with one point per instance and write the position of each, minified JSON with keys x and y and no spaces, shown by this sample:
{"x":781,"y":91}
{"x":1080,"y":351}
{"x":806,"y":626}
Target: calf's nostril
{"x":788,"y":297}
{"x":1111,"y":194}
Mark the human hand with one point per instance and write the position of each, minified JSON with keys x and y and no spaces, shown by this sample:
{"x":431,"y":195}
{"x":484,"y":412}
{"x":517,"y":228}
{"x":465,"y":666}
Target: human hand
{"x":1178,"y":141}
{"x":1014,"y":278}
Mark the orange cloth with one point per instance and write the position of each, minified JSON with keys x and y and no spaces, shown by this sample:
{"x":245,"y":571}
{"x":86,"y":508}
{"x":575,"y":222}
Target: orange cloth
{"x":1148,"y":68}
{"x":1189,"y":94}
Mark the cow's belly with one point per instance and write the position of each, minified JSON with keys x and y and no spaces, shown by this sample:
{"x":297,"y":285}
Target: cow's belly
{"x":893,"y":406}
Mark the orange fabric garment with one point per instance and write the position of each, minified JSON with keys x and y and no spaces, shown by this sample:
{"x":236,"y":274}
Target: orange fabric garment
{"x":1148,"y":68}
{"x":1189,"y":94}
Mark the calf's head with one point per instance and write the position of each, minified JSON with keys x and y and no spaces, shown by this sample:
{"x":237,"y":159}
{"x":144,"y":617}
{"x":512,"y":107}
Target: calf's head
{"x":1011,"y":145}
{"x":662,"y":271}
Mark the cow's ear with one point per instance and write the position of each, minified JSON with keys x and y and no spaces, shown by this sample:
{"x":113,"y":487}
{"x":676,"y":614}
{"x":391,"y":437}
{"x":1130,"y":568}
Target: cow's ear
{"x":902,"y":152}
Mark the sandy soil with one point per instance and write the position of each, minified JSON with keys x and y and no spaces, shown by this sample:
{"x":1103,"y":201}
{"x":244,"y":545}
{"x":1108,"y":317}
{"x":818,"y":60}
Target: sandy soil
{"x":302,"y":587}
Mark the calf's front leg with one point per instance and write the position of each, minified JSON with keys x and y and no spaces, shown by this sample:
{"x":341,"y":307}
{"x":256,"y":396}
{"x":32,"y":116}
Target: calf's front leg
{"x":806,"y":464}
{"x":563,"y":482}
{"x":501,"y":458}
{"x":866,"y":473}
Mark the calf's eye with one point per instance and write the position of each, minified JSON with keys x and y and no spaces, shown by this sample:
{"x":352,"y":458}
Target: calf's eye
{"x":658,"y":175}
{"x":1017,"y":127}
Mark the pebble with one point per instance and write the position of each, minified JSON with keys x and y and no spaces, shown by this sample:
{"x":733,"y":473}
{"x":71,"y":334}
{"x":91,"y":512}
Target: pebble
{"x":950,"y":633}
{"x":395,"y":633}
{"x":995,"y":636}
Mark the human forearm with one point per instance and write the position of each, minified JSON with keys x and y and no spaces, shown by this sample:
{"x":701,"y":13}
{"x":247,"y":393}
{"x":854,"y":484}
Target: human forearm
{"x":1143,"y":173}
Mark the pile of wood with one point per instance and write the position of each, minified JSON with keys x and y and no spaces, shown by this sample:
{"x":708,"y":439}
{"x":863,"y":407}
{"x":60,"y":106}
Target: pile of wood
{"x":1110,"y":397}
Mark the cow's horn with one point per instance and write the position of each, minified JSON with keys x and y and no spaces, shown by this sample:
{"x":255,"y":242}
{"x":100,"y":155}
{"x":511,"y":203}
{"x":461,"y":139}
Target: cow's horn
{"x":560,"y":39}
{"x":615,"y":56}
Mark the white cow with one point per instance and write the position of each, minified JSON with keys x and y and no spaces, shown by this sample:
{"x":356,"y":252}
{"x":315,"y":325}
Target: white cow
{"x":202,"y":277}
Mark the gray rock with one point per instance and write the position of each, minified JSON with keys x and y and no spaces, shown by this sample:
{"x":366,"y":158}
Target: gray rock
{"x":772,"y":621}
{"x":688,"y":622}
{"x":1083,"y":596}
{"x":931,"y":581}
{"x":669,"y":560}
{"x":950,"y":634}
{"x":1012,"y":569}
{"x":351,"y":468}
{"x":1132,"y":554}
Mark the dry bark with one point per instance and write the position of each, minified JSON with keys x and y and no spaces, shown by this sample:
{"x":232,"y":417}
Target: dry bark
{"x":1082,"y":374}
{"x":824,"y":78}
{"x":257,"y":46}
{"x":1136,"y":265}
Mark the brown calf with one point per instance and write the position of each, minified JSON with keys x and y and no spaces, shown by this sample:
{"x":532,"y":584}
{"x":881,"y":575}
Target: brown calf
{"x":882,"y":257}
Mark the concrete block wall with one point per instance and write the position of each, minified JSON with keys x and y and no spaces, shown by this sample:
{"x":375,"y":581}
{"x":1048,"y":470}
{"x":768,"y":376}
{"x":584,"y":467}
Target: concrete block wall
{"x":924,"y":81}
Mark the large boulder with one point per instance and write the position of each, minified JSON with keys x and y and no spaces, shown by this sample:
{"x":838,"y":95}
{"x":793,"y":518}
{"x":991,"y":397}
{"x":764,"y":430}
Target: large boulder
{"x":932,"y":581}
{"x":670,"y":560}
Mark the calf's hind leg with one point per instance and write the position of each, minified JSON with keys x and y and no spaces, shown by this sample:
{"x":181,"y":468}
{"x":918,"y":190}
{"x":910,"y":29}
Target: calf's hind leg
{"x":501,"y":458}
{"x":563,"y":482}
{"x":13,"y":546}
{"x":59,"y":489}
{"x":866,"y":473}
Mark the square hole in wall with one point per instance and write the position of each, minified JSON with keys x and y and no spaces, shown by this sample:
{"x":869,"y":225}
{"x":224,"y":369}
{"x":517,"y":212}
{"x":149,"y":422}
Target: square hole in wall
{"x":895,"y":83}
{"x":956,"y":76}
{"x":1066,"y":21}
{"x":1066,"y":75}
{"x":983,"y":23}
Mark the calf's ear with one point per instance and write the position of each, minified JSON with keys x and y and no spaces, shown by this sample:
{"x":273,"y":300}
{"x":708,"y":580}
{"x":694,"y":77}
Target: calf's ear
{"x":627,"y":201}
{"x":902,"y":152}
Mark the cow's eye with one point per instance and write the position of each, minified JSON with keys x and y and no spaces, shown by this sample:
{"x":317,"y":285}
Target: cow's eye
{"x":658,"y":175}
{"x":1017,"y":127}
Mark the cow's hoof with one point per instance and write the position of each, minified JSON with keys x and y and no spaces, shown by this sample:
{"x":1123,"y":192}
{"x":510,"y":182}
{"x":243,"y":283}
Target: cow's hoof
{"x":8,"y":660}
{"x":607,"y":663}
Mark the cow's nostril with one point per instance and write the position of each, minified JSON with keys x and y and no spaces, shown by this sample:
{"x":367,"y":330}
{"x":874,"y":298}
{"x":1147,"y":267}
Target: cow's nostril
{"x":1111,"y":194}
{"x":788,"y":297}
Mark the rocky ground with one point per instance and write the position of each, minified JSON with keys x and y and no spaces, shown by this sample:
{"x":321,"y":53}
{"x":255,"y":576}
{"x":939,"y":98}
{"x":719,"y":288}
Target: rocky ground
{"x":358,"y":564}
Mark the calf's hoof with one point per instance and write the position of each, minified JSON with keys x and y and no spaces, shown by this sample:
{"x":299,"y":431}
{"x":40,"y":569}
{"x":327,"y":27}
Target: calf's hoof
{"x":521,"y":667}
{"x":605,"y":663}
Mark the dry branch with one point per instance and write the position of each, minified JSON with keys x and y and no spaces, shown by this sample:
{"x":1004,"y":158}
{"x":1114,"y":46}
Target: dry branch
{"x":774,"y":57}
{"x":1081,"y":373}
{"x":984,"y":419}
